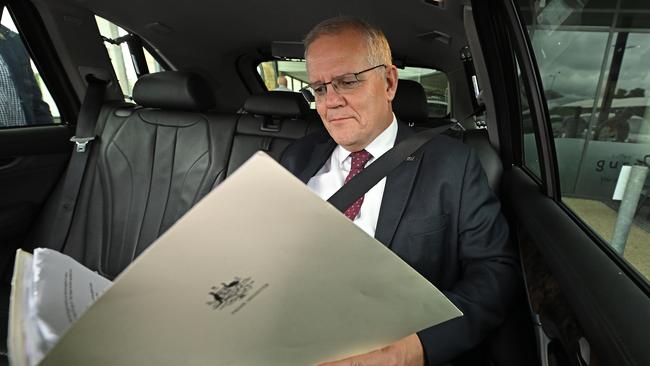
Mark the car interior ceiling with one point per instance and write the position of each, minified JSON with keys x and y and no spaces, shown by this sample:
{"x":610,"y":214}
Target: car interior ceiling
{"x":241,"y":117}
{"x":177,"y":37}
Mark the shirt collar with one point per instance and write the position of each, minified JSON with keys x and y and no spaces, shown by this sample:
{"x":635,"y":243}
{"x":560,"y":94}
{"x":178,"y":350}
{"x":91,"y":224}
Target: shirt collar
{"x":378,"y":147}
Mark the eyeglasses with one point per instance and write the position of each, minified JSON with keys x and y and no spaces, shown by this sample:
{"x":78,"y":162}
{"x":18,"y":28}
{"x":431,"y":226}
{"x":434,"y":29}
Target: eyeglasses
{"x":342,"y":84}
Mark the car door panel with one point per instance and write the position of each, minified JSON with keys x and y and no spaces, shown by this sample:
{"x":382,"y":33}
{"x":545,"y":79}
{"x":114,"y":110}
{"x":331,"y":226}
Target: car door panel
{"x":592,"y":307}
{"x":609,"y":306}
{"x":32,"y":160}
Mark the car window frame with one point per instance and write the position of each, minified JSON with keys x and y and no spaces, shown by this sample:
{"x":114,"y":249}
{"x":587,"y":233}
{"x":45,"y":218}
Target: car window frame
{"x":541,"y":120}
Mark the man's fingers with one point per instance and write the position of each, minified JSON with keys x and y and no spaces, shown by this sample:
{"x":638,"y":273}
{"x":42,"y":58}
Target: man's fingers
{"x":368,"y":359}
{"x":405,"y":352}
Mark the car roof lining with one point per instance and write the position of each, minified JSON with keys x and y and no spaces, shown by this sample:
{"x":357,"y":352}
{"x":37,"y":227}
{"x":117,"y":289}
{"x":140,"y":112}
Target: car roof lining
{"x":177,"y":30}
{"x":209,"y":26}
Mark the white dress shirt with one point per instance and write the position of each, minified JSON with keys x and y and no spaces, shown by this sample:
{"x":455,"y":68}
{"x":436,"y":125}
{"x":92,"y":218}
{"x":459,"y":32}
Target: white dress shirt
{"x":331,"y":176}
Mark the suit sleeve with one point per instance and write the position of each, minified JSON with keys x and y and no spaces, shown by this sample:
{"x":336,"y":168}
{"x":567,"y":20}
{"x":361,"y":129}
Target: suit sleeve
{"x":42,"y":114}
{"x":40,"y":110}
{"x":36,"y":110}
{"x":489,"y":271}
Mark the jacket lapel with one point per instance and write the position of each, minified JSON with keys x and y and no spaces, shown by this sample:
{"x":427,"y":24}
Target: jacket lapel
{"x":319,"y":155}
{"x":399,"y":185}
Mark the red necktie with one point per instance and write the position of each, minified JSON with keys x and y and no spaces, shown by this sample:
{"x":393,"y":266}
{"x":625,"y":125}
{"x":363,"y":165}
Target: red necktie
{"x":359,"y":160}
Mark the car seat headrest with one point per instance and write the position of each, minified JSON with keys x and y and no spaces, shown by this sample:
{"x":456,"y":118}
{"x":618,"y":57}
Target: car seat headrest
{"x":179,"y":90}
{"x":410,"y":103}
{"x":277,"y":104}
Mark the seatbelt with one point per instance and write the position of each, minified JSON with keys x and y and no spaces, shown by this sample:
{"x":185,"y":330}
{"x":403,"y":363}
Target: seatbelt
{"x":370,"y":176}
{"x":84,"y":135}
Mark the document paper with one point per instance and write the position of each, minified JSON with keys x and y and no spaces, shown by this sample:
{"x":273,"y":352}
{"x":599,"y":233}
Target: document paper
{"x":50,"y":291}
{"x":260,"y":272}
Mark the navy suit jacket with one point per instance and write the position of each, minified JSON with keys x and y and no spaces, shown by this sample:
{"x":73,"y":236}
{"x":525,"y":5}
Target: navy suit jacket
{"x":440,"y":216}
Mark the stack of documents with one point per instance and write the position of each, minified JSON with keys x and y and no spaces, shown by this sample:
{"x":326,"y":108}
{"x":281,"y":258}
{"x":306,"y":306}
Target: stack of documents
{"x":50,"y":291}
{"x":259,"y":272}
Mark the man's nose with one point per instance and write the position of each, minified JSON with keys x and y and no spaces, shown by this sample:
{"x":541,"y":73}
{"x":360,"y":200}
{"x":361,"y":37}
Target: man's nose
{"x":332,"y":98}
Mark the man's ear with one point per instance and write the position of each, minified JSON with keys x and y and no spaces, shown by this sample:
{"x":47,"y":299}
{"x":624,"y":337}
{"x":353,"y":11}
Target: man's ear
{"x":391,"y":81}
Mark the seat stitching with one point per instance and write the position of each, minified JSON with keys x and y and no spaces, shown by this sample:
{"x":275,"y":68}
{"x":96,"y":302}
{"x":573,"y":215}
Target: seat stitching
{"x":146,"y":205}
{"x":171,"y":172}
{"x":128,"y":211}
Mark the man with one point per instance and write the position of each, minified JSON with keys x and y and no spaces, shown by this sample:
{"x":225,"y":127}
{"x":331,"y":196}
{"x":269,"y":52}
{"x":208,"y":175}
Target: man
{"x":282,"y":84}
{"x":435,"y":211}
{"x":616,"y":128}
{"x":575,"y":125}
{"x":21,"y":101}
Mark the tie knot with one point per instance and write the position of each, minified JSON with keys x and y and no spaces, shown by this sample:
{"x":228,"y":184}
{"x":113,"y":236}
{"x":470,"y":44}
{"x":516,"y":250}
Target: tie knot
{"x":360,"y":158}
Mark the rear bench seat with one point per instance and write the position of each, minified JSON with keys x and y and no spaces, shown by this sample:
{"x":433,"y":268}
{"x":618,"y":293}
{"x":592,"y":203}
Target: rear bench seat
{"x":154,"y":161}
{"x":150,"y":164}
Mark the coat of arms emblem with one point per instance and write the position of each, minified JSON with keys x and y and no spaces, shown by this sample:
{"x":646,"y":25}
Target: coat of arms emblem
{"x":230,"y":293}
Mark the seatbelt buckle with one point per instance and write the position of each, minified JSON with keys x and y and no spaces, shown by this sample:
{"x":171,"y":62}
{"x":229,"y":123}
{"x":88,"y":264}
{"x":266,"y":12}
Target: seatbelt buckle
{"x":81,"y":142}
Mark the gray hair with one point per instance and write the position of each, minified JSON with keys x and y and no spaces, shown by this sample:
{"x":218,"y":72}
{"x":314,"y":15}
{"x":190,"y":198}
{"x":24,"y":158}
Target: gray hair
{"x":376,"y":42}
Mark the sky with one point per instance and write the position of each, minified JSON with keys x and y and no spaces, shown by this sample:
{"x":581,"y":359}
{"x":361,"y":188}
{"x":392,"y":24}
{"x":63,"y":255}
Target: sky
{"x":6,"y":20}
{"x":570,"y":62}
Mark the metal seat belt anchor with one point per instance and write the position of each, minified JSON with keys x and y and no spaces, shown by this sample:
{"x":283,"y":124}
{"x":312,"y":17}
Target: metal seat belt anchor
{"x":81,"y":142}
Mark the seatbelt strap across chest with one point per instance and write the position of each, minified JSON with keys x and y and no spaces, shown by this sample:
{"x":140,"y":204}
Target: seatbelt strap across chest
{"x":384,"y":165}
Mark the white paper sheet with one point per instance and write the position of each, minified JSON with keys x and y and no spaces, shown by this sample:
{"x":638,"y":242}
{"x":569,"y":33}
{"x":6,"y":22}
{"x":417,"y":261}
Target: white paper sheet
{"x":260,"y":272}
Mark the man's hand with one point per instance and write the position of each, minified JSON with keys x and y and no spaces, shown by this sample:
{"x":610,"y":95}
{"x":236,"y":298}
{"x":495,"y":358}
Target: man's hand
{"x":405,"y":352}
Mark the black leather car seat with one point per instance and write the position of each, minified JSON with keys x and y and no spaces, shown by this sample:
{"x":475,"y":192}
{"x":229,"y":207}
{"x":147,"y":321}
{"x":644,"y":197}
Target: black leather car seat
{"x":270,"y":122}
{"x":410,"y":103}
{"x":479,"y":140}
{"x":149,"y":165}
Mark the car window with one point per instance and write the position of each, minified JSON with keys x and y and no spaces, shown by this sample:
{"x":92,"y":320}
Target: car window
{"x":593,"y":62}
{"x":436,"y":88}
{"x":120,"y":55}
{"x":293,"y":72}
{"x":24,"y":97}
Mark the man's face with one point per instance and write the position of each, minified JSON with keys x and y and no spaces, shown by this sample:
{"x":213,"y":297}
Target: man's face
{"x":354,"y":118}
